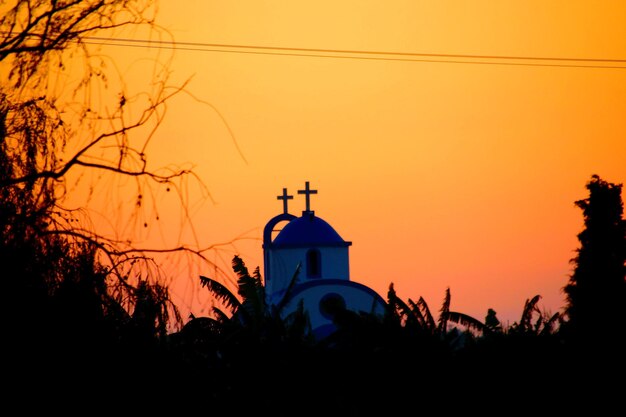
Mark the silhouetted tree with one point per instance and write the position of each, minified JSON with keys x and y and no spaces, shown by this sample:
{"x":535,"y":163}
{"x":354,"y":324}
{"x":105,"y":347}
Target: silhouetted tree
{"x":48,"y":134}
{"x":83,"y":300}
{"x":596,"y":291}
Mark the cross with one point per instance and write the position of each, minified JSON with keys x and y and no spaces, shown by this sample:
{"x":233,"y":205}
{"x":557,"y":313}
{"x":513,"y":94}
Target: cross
{"x":307,"y":192}
{"x":285,"y":197}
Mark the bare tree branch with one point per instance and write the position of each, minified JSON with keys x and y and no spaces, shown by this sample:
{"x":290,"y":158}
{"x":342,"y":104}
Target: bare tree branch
{"x":41,"y":131}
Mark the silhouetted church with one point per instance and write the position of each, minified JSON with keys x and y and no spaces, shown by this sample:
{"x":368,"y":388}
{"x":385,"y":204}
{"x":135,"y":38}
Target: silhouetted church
{"x":309,"y":245}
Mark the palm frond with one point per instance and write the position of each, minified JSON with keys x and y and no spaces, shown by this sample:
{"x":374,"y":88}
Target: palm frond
{"x":415,"y":310}
{"x":529,"y":308}
{"x":443,"y":313}
{"x":247,"y":284}
{"x":220,"y":292}
{"x":258,"y":280}
{"x":258,"y":283}
{"x":240,"y":267}
{"x":392,"y":297}
{"x":220,"y":316}
{"x":550,"y":324}
{"x":426,"y":313}
{"x":401,"y":309}
{"x":251,"y":291}
{"x":467,"y":321}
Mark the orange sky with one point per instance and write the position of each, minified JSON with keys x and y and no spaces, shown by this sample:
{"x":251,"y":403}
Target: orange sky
{"x":459,"y":175}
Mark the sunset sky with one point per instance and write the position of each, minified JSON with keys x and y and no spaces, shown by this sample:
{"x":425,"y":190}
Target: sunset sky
{"x":448,"y":157}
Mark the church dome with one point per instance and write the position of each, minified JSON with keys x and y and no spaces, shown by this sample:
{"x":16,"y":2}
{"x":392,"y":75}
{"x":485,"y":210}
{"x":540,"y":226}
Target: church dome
{"x":308,"y":230}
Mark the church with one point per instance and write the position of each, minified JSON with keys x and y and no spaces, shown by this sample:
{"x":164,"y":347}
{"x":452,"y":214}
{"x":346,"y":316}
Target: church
{"x":306,"y":260}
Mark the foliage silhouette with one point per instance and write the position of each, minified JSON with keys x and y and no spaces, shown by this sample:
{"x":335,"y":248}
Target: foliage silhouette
{"x":83,"y":303}
{"x":52,"y":136}
{"x":596,"y":291}
{"x":248,"y":340}
{"x":544,"y":324}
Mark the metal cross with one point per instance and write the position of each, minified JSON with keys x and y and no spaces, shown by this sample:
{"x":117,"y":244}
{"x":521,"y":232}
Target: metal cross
{"x":285,"y":197}
{"x":307,"y":192}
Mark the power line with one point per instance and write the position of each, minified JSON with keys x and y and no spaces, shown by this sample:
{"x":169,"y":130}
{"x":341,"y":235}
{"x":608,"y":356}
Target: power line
{"x":363,"y":54}
{"x":351,"y":51}
{"x":510,"y":60}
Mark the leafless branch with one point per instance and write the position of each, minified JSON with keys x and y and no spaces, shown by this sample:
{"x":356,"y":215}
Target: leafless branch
{"x":37,"y":128}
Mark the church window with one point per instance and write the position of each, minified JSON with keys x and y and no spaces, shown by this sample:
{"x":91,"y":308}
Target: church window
{"x":313,"y":263}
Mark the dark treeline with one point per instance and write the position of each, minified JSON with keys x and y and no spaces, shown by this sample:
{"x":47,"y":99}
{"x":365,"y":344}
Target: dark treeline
{"x":69,"y":335}
{"x":86,"y":317}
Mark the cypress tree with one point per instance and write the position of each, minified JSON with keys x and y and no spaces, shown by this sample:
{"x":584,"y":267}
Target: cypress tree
{"x":596,"y":291}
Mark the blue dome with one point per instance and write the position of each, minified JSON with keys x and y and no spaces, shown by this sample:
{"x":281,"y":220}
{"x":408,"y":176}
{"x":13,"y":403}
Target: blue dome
{"x":309,"y":230}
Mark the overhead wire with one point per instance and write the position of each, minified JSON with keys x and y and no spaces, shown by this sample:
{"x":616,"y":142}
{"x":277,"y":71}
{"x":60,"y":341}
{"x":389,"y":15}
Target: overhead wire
{"x":537,"y":61}
{"x":370,"y":55}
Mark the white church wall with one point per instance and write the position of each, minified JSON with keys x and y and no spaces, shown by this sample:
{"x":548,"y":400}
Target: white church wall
{"x":284,"y":261}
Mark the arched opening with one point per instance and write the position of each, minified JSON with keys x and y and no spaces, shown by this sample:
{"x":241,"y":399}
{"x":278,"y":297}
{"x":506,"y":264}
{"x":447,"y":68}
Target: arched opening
{"x":331,"y":304}
{"x":313,"y":263}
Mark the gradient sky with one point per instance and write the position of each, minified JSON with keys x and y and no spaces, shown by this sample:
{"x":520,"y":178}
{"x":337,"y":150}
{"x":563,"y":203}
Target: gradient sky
{"x":442,"y":174}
